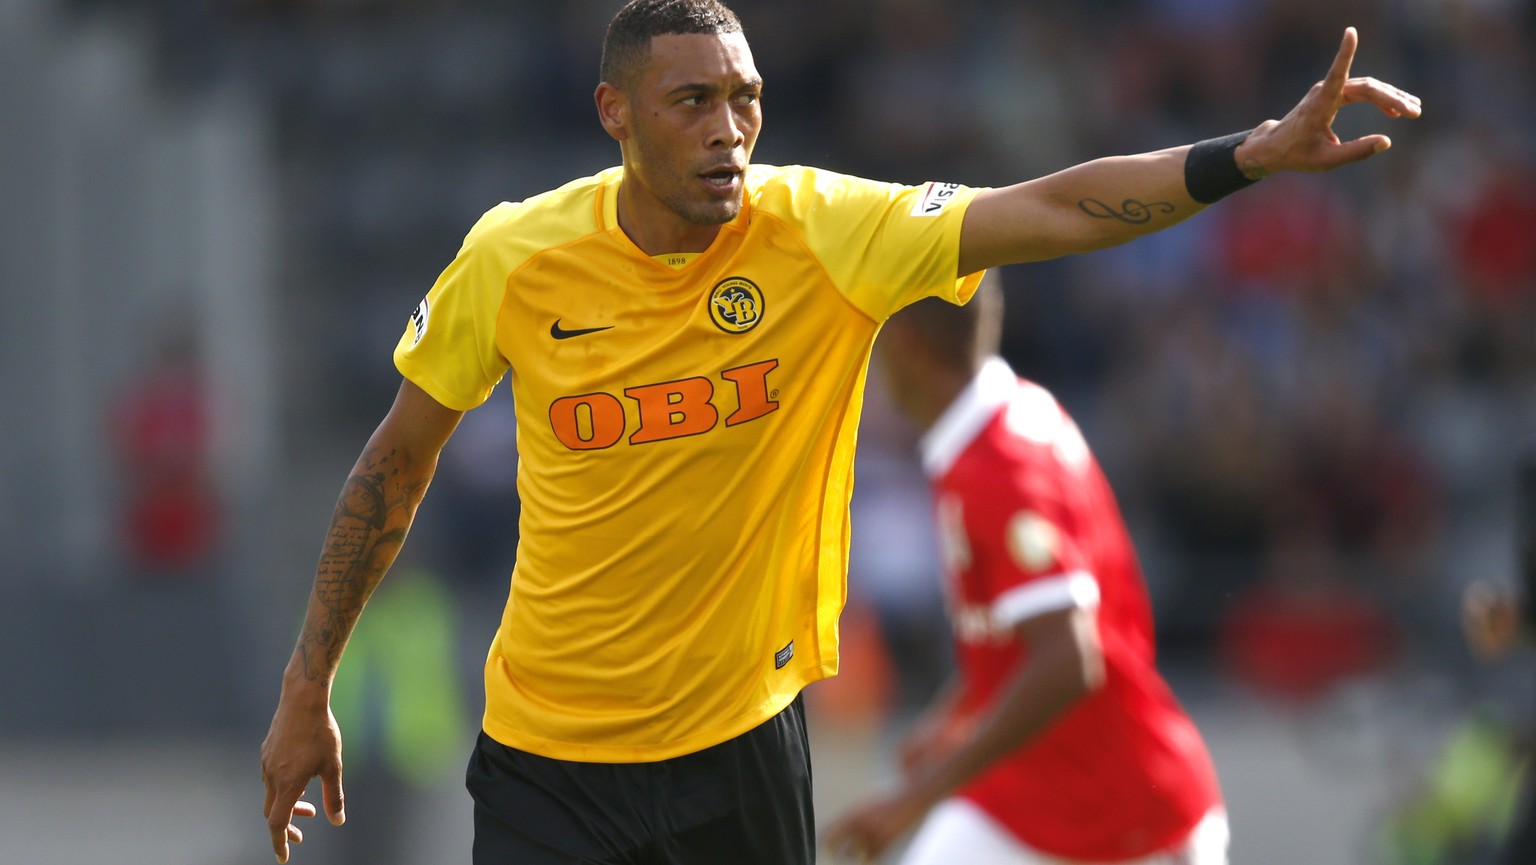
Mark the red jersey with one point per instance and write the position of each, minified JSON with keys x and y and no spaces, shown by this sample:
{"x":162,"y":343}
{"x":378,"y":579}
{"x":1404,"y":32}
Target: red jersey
{"x":1029,"y":525}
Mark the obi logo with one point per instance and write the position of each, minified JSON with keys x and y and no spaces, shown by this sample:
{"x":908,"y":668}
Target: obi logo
{"x":736,"y":305}
{"x":668,"y":410}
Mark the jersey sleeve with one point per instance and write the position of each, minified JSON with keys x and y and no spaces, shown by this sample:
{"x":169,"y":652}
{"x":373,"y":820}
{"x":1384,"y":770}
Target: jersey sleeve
{"x":449,"y":345}
{"x":1022,"y":537}
{"x":884,"y":245}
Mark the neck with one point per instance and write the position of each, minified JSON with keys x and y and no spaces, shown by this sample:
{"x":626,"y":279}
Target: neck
{"x":655,"y":227}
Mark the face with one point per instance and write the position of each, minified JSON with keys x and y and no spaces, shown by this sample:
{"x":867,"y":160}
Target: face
{"x":687,"y":125}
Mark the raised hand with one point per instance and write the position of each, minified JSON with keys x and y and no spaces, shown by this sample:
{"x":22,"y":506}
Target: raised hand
{"x":1304,"y":140}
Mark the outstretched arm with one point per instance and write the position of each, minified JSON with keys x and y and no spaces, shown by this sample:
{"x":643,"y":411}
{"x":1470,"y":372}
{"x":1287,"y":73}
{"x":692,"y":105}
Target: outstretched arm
{"x":1109,"y":201}
{"x":1065,"y":663}
{"x":372,"y":516}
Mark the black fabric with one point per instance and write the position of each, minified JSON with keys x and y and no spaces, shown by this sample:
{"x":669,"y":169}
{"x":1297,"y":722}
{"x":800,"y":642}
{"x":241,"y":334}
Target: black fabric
{"x":1210,"y":169}
{"x":746,"y":801}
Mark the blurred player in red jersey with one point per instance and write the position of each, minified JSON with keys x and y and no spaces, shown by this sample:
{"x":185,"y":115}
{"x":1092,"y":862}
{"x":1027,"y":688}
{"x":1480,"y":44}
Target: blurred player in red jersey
{"x":1058,"y":742}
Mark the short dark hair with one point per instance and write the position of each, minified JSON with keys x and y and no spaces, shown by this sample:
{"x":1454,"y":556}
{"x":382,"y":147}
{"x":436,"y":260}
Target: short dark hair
{"x":627,"y":47}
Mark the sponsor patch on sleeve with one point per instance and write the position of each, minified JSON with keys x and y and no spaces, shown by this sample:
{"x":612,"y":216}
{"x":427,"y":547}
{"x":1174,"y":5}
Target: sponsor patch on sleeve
{"x":419,"y":321}
{"x":934,"y":198}
{"x":1033,"y":541}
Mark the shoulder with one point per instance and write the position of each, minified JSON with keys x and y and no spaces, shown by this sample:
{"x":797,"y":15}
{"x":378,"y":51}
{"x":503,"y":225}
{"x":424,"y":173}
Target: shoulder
{"x":1037,"y":426}
{"x":549,"y":219}
{"x":793,"y":190}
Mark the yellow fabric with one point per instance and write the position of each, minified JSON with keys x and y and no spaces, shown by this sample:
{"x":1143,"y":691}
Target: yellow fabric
{"x":685,"y":471}
{"x":676,"y":259}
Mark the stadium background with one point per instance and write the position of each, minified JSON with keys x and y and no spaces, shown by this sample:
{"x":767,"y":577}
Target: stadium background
{"x":218,"y":215}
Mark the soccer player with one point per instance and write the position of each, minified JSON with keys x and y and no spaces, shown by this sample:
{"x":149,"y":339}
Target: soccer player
{"x":687,"y":336}
{"x":1058,"y":741}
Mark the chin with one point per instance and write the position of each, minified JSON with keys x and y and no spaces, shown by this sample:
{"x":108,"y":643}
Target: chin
{"x":713,"y":213}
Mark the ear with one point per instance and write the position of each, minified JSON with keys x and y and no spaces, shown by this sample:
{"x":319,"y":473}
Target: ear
{"x":612,"y":110}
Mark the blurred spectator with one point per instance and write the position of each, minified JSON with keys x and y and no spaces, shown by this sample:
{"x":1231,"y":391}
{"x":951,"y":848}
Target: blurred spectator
{"x":398,"y":698}
{"x":1462,"y":806}
{"x":160,"y":432}
{"x":1496,"y":620}
{"x":1304,"y":628}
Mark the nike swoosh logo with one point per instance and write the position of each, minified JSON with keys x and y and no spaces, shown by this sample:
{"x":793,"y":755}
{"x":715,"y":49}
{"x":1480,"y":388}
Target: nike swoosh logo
{"x":558,"y":332}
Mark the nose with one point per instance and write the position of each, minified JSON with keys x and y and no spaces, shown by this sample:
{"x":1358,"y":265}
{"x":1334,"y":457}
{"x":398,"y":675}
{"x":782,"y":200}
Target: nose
{"x":726,"y":129}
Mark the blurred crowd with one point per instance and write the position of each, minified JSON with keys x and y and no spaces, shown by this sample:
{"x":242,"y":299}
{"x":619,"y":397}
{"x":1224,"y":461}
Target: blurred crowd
{"x":1309,"y":399}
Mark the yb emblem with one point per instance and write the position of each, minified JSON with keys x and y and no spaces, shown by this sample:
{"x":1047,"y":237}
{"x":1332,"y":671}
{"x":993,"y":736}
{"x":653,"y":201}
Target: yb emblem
{"x":736,"y":305}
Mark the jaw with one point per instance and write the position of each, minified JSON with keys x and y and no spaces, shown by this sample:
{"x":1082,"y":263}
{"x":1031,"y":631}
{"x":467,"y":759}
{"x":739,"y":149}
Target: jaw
{"x":684,"y":218}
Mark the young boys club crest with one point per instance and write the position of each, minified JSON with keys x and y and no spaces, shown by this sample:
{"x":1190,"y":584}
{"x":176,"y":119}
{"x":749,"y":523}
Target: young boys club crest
{"x":736,"y":304}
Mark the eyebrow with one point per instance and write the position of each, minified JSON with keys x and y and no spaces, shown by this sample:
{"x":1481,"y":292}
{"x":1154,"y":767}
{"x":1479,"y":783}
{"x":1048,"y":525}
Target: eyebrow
{"x":710,"y":88}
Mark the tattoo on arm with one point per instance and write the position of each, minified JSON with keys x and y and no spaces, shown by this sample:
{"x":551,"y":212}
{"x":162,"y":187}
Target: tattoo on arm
{"x":1131,"y":212}
{"x":1253,"y":170}
{"x":367,"y":529}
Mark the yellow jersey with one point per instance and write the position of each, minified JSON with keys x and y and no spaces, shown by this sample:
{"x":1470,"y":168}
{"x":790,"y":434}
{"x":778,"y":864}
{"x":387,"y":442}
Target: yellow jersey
{"x":685,"y":438}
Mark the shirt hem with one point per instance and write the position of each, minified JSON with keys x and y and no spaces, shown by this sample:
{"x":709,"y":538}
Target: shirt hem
{"x":586,"y":752}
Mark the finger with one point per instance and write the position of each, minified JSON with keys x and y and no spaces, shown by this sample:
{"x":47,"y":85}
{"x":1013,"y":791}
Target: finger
{"x":279,"y":832}
{"x":303,"y":809}
{"x":1338,"y":74}
{"x":1391,"y":100}
{"x":279,"y":816}
{"x":266,"y":806}
{"x":295,"y":835}
{"x":335,"y":800}
{"x":1360,"y":148}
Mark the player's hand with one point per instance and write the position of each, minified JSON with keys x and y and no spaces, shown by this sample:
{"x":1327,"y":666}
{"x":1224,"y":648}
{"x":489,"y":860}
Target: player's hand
{"x":303,"y":743}
{"x":864,"y":833}
{"x":1304,"y":140}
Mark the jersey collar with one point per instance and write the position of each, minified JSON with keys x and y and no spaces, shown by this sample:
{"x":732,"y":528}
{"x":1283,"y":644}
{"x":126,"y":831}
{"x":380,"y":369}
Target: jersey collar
{"x":994,"y":384}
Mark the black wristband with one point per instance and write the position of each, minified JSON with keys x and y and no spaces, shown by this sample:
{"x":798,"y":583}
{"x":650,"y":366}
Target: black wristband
{"x":1210,"y":169}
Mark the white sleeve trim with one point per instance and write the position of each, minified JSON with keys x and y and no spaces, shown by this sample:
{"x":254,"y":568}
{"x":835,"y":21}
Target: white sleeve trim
{"x":1048,"y":595}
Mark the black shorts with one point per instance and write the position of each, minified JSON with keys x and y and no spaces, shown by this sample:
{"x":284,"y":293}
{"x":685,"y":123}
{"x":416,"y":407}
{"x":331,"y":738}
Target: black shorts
{"x":746,"y":801}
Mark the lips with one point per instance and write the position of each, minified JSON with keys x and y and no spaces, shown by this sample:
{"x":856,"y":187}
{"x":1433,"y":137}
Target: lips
{"x":721,"y":177}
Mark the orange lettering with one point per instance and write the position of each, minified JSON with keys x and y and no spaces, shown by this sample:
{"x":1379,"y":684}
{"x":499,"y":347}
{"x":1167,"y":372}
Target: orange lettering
{"x":752,"y":398}
{"x":588,"y":422}
{"x":673,"y":409}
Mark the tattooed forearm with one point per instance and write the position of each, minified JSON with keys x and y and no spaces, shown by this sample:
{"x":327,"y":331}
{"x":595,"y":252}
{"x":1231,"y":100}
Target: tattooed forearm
{"x":367,"y":529}
{"x":1131,"y":212}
